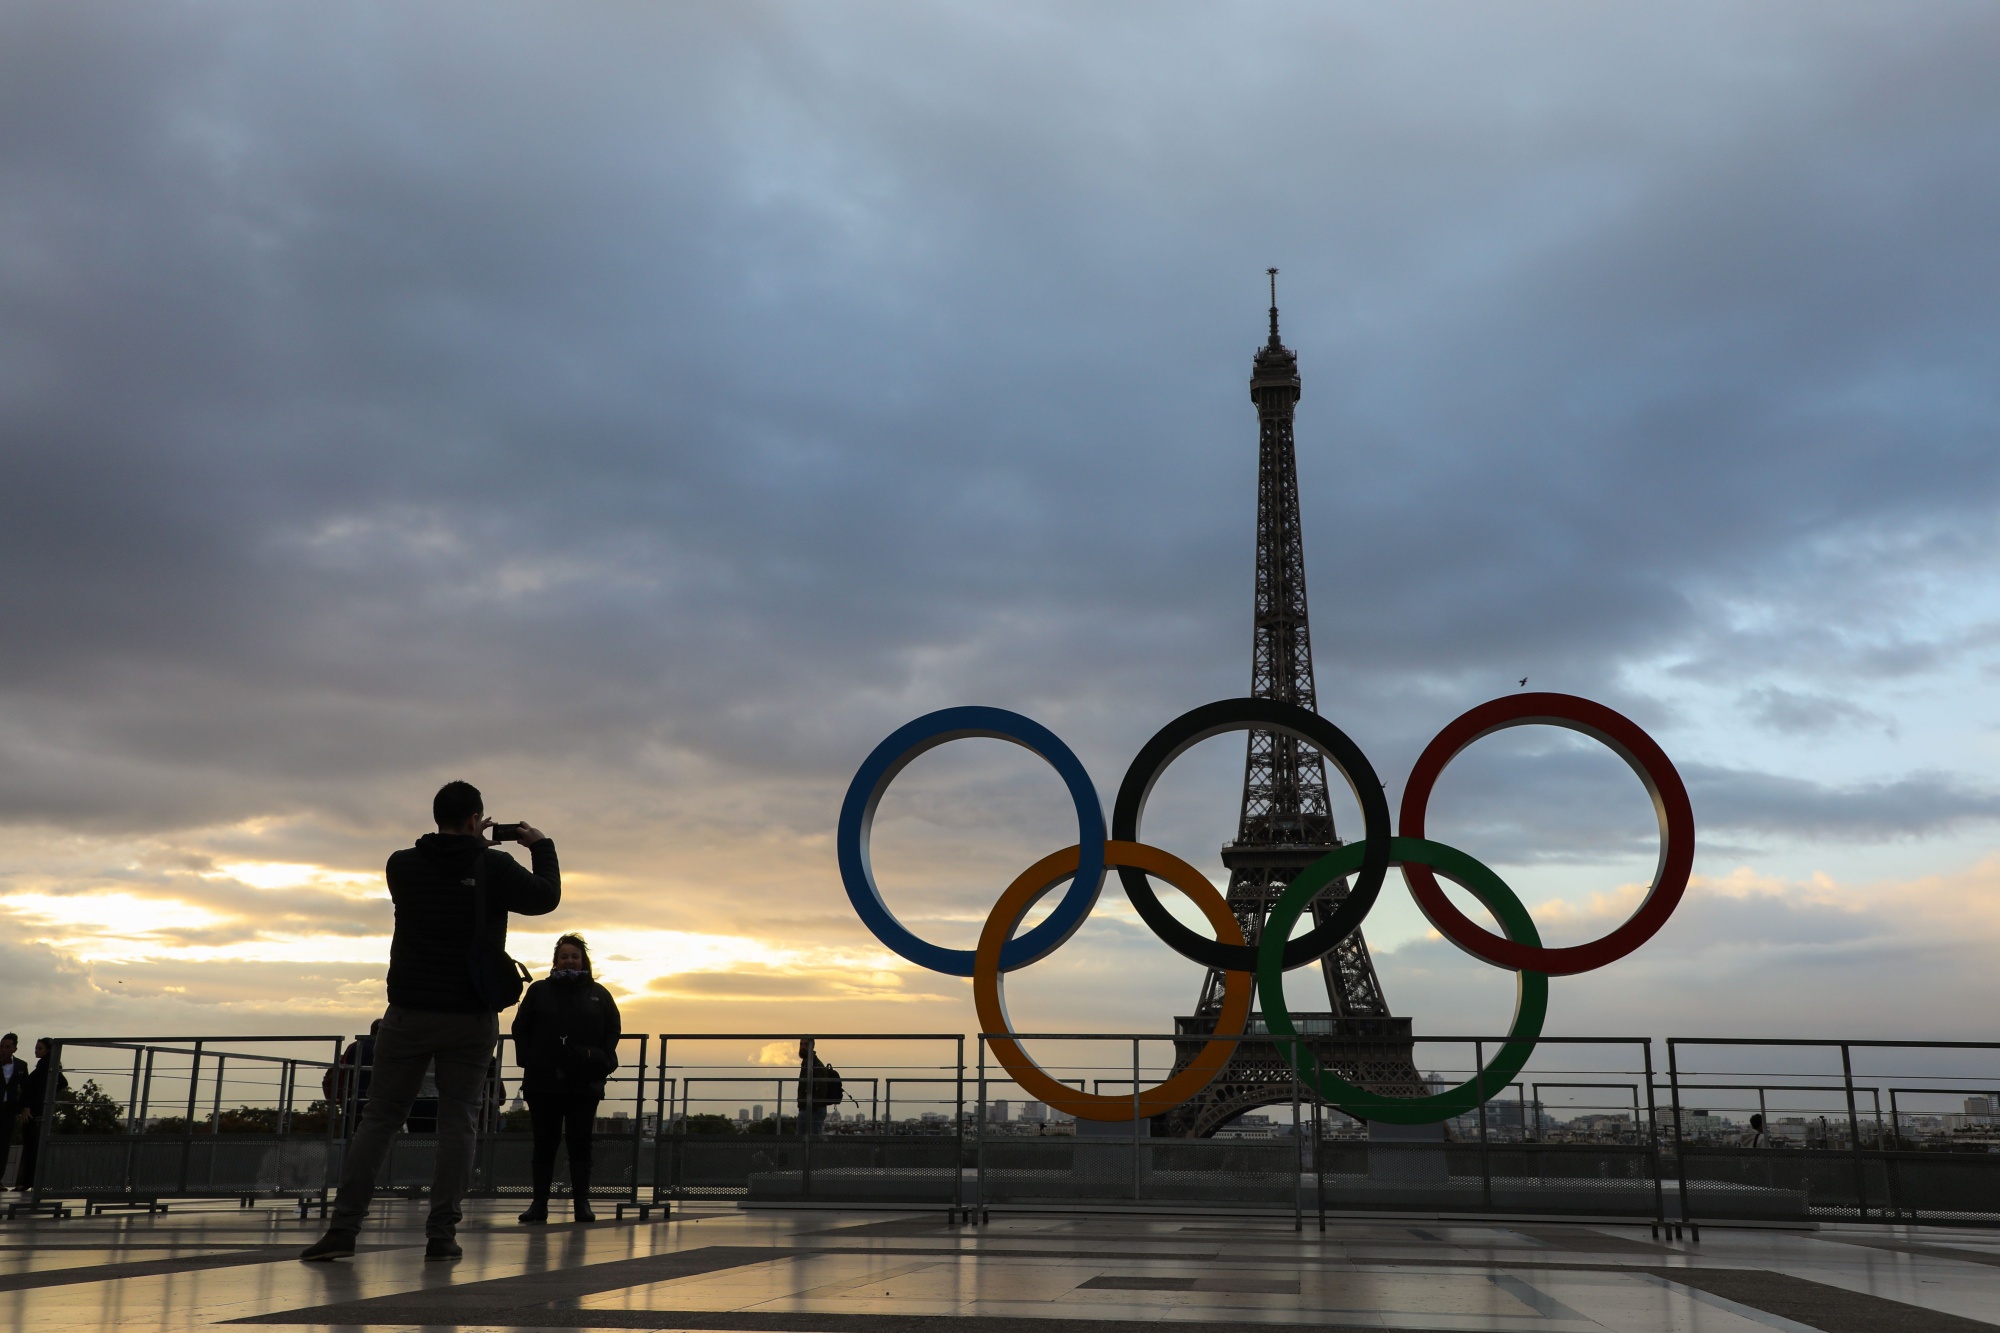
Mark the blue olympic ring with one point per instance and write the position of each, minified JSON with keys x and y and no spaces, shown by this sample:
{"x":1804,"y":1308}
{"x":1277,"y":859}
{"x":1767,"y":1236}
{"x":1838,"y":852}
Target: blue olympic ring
{"x":857,"y":819}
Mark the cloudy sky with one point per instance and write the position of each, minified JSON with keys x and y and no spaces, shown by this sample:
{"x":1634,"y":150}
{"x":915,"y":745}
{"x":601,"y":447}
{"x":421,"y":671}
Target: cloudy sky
{"x":642,"y":409}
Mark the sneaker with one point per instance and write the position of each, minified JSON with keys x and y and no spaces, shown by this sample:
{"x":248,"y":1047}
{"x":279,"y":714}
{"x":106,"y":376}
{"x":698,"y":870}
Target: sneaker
{"x":537,"y":1214}
{"x":443,"y":1247}
{"x":333,"y":1245}
{"x":580,"y":1210}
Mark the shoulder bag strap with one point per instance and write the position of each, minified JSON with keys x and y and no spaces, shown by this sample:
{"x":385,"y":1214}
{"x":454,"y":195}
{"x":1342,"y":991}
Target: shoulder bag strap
{"x":478,"y":896}
{"x":476,"y":947}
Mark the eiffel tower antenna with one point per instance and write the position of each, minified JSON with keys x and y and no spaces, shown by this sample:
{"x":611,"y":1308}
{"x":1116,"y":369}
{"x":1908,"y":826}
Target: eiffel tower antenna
{"x":1287,"y":820}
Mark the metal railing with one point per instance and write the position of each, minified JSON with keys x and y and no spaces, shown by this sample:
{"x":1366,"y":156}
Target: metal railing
{"x":1319,"y":1162}
{"x":1857,"y":1130}
{"x":779,"y":1159}
{"x":114,"y":1152}
{"x":1847,"y":1166}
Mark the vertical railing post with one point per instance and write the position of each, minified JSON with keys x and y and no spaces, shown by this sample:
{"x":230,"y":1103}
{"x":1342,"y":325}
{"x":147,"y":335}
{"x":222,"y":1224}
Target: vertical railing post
{"x":215,"y":1109}
{"x":1854,"y":1132}
{"x":979,"y":1143}
{"x":668,"y":1179}
{"x":808,"y":1107}
{"x":132,"y":1097}
{"x":1895,"y":1170}
{"x":1135,"y":1119}
{"x":335,"y":1158}
{"x":1680,"y":1147}
{"x":638,"y":1119}
{"x":1298,"y":1159}
{"x":1319,"y":1156}
{"x":958,"y":1125}
{"x":132,"y":1115}
{"x":668,"y":1134}
{"x":187,"y":1128}
{"x":1652,"y":1137}
{"x":1485,"y":1164}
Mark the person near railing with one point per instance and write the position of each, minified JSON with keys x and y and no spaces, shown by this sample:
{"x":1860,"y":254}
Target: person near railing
{"x":449,"y":976}
{"x":820,"y":1089}
{"x":566,"y":1042}
{"x":346,"y":1082}
{"x":34,"y":1099}
{"x":13,"y":1078}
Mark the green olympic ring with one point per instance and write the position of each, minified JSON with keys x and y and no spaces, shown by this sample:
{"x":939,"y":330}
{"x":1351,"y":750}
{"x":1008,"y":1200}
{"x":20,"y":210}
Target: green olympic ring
{"x":1531,"y":1004}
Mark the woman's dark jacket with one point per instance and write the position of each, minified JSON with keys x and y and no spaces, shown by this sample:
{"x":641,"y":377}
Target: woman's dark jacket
{"x":35,"y":1089}
{"x":566,"y":1037}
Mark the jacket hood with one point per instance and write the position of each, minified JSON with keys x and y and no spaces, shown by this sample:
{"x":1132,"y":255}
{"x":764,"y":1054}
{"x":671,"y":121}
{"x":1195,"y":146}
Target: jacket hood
{"x":451,"y":846}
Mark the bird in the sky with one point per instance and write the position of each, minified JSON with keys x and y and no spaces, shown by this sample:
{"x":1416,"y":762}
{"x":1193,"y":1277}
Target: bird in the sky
{"x":1524,"y":680}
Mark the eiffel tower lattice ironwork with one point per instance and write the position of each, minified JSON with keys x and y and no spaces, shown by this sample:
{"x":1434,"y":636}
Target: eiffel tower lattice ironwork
{"x":1287,"y":821}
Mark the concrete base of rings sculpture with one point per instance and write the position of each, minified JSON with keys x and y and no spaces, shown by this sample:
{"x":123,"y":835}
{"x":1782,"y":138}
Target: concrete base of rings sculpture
{"x":1249,"y":969}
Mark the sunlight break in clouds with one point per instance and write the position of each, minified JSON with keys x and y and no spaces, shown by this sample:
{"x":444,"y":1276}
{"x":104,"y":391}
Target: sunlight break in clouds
{"x":292,"y":875}
{"x":105,"y":927}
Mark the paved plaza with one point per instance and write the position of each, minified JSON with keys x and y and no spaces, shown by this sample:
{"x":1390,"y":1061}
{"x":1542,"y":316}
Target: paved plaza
{"x":800,"y":1271}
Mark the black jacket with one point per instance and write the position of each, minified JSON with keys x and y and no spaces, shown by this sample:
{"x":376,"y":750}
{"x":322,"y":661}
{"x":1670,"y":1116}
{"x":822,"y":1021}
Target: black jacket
{"x":432,"y":885}
{"x":819,"y":1084}
{"x":36,"y":1089}
{"x":12,"y":1090}
{"x":561,"y":1025}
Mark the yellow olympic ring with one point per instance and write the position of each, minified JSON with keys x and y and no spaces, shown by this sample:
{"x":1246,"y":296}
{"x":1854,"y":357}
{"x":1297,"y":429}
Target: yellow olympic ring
{"x":989,"y":996}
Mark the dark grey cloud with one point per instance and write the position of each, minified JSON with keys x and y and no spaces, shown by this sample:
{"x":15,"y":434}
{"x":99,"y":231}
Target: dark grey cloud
{"x":1523,"y":799}
{"x":1762,"y":803}
{"x":636,"y":402}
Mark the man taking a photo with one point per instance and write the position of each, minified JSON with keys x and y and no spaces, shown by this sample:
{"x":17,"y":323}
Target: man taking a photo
{"x":449,"y":976}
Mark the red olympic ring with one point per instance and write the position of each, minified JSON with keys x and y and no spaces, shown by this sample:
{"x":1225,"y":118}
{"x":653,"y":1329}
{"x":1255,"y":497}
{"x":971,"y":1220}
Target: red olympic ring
{"x":1625,"y":739}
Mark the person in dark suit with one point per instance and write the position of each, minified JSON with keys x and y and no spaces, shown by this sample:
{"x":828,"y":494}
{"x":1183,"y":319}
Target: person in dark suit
{"x":13,"y":1082}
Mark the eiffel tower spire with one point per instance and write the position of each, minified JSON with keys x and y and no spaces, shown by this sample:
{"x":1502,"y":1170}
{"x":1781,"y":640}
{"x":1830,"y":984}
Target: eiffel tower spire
{"x":1287,"y":822}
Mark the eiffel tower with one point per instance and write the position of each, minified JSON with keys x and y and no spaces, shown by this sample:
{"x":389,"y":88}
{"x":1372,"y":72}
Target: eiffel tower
{"x":1287,"y":822}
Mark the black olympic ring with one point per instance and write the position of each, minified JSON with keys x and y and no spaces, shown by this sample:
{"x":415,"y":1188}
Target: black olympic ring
{"x":1197,"y":725}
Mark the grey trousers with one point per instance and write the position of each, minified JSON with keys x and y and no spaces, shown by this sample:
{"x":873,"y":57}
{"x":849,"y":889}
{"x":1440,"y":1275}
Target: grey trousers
{"x":463,"y":1045}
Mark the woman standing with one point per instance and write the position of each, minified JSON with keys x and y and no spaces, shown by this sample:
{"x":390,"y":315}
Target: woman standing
{"x":566,"y":1041}
{"x":33,"y":1098}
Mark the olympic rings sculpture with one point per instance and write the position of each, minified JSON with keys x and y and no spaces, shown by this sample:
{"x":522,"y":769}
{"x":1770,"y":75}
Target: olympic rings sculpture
{"x":1252,"y":968}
